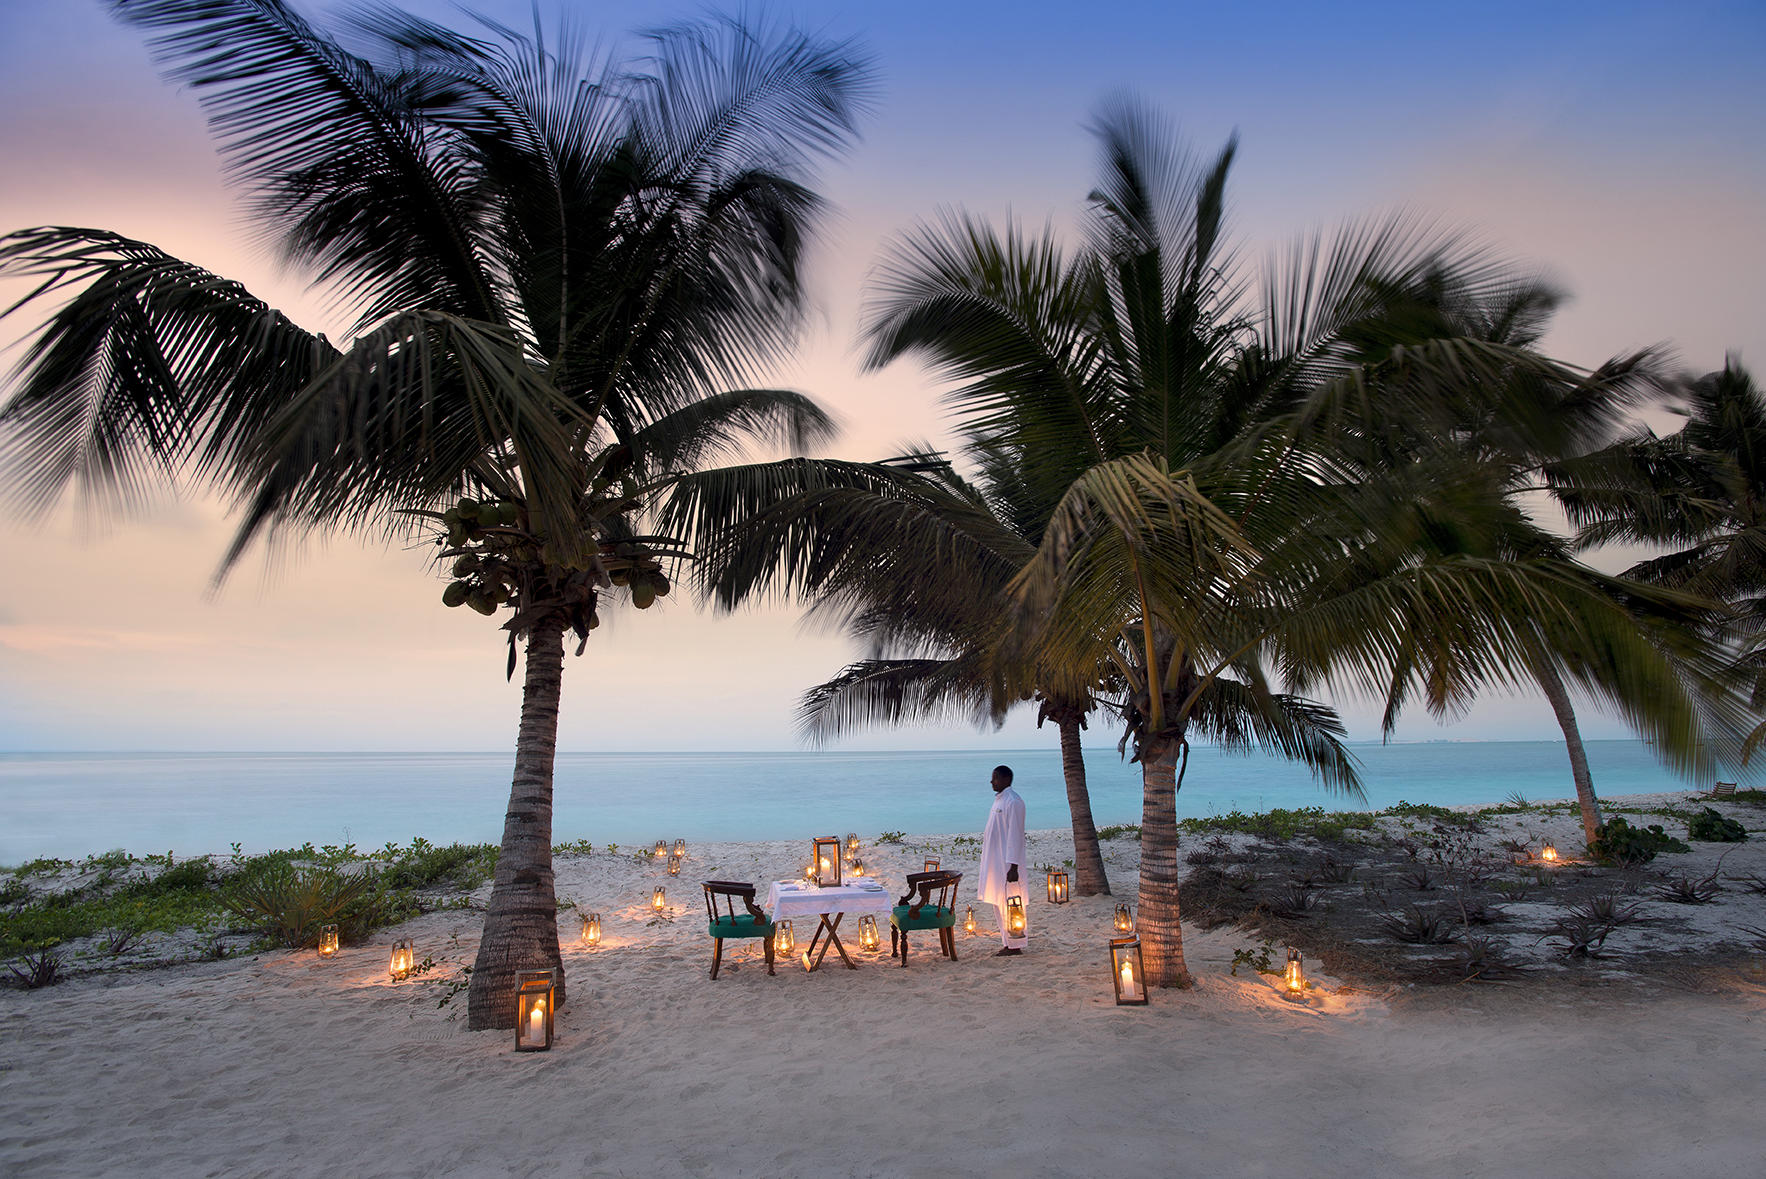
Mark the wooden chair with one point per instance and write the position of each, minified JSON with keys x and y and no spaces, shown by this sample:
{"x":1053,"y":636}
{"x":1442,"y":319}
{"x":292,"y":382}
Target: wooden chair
{"x":1722,"y":790}
{"x":729,"y":923}
{"x":926,"y":913}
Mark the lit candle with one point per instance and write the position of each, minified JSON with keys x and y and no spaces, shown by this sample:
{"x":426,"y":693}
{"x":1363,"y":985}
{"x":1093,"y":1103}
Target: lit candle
{"x":1127,"y":977}
{"x":536,"y":1022}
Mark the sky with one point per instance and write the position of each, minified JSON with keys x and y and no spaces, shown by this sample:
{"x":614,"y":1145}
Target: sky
{"x":1614,"y":146}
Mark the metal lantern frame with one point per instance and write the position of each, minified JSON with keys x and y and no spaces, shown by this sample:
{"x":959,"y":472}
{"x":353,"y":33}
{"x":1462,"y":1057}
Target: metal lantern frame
{"x":784,"y":939}
{"x":660,"y":851}
{"x":1125,"y":959}
{"x":591,"y":929}
{"x":868,"y":937}
{"x":1294,"y":977}
{"x":856,"y":867}
{"x":1059,"y":886}
{"x":931,"y":865}
{"x":1017,"y":920}
{"x":403,"y":960}
{"x":659,"y":898}
{"x":1124,"y":919}
{"x":825,"y":858}
{"x":534,"y":987}
{"x":680,"y":850}
{"x":674,"y":865}
{"x":327,"y":940}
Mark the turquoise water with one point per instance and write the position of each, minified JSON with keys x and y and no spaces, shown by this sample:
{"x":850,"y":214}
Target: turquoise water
{"x":75,"y":804}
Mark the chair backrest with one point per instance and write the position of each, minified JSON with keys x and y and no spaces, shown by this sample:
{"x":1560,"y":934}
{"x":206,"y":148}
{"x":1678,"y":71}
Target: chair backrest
{"x":925,"y":884}
{"x":1723,"y":790}
{"x":727,"y":891}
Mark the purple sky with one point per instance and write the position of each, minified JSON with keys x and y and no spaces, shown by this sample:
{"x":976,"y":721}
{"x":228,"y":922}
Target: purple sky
{"x":1617,"y":146}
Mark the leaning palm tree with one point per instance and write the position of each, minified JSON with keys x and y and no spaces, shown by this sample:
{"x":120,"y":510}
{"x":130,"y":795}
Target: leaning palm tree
{"x":910,"y":558}
{"x":554,"y":263}
{"x":1191,"y":425}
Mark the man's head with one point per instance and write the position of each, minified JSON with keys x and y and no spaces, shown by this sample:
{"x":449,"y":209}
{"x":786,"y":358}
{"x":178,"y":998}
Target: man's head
{"x":1002,"y":778}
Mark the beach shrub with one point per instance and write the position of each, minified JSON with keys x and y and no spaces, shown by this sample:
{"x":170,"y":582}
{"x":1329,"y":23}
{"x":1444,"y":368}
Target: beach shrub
{"x":38,"y":966}
{"x":1118,"y":830}
{"x":463,"y":865}
{"x":1262,"y":959}
{"x":1690,"y":890}
{"x":289,"y":904}
{"x":1418,"y":926}
{"x":1711,"y":827}
{"x":1619,"y":843}
{"x":892,"y":837}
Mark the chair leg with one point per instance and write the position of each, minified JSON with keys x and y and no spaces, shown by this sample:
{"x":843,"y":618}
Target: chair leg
{"x":894,"y":940}
{"x":769,"y":956}
{"x":904,"y":949}
{"x":950,"y":943}
{"x":717,"y":955}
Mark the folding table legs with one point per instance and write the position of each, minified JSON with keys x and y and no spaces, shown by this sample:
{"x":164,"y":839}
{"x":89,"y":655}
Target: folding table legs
{"x":812,"y":957}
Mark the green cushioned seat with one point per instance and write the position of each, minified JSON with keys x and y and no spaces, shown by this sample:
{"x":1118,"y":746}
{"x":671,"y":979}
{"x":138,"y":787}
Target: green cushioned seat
{"x":929,"y":918}
{"x":741,"y":925}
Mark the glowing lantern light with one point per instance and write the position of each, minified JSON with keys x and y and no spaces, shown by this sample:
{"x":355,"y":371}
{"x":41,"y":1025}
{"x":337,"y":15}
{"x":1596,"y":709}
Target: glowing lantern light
{"x":1057,"y":886}
{"x":659,"y":899}
{"x":969,"y":921}
{"x":591,"y":929}
{"x":1124,"y":921}
{"x":1015,"y":916}
{"x":674,"y":865}
{"x":533,"y":1010}
{"x":1548,"y":852}
{"x":403,"y":959}
{"x":680,"y":849}
{"x":867,"y":933}
{"x":825,"y":858}
{"x":809,"y":870}
{"x":784,"y":941}
{"x":1294,"y":978}
{"x":931,"y":864}
{"x":327,"y":940}
{"x":857,"y":867}
{"x":1127,"y":974}
{"x":852,"y":843}
{"x":661,"y":848}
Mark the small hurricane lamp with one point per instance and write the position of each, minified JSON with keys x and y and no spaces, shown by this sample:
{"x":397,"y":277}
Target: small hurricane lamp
{"x":1015,"y":917}
{"x":1294,"y":978}
{"x":327,"y":941}
{"x":784,"y":940}
{"x":1548,"y":851}
{"x":969,"y":920}
{"x":591,"y":929}
{"x":533,"y":1010}
{"x":674,"y":865}
{"x":1127,"y":974}
{"x":680,"y":849}
{"x":661,"y":849}
{"x":867,"y":933}
{"x":1057,"y":886}
{"x":852,"y":843}
{"x":404,"y":957}
{"x":659,"y":898}
{"x":1124,"y":920}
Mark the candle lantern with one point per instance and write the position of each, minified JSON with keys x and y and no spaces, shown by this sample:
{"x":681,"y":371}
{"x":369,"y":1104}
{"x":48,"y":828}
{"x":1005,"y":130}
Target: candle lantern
{"x":533,"y":1011}
{"x":327,"y":940}
{"x":1294,"y":978}
{"x":1124,"y":919}
{"x":1548,"y":852}
{"x":1015,"y":916}
{"x":659,"y":899}
{"x":852,"y":843}
{"x":809,"y":870}
{"x":403,"y":959}
{"x":969,"y":921}
{"x":825,"y":856}
{"x":591,"y":929}
{"x":1057,"y":886}
{"x":784,"y":941}
{"x":680,"y":849}
{"x":674,"y":865}
{"x":1126,"y":972}
{"x":857,"y":867}
{"x":931,"y":864}
{"x":661,"y":848}
{"x":867,"y":933}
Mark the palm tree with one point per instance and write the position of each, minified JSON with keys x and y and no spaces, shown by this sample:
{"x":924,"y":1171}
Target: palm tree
{"x":1192,"y":428}
{"x":910,"y":558}
{"x":554,"y":262}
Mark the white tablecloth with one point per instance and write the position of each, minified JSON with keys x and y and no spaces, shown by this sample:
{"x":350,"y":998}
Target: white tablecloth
{"x":787,"y":900}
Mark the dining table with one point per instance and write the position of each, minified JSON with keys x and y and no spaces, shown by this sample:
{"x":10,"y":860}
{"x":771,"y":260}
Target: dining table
{"x":788,"y":900}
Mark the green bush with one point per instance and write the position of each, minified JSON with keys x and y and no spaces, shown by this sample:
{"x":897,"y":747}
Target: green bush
{"x":1618,"y":842}
{"x":290,"y":904}
{"x":464,"y":865}
{"x":1711,"y":827}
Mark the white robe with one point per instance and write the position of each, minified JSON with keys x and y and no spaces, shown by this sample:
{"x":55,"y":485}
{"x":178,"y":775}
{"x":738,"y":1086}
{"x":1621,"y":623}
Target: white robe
{"x":1002,"y":845}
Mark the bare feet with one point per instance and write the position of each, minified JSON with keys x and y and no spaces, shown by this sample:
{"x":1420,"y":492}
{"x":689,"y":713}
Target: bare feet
{"x":1008,"y":952}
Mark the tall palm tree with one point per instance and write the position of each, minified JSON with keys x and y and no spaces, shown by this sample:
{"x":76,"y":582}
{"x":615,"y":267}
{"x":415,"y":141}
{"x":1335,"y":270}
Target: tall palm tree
{"x":555,"y":262}
{"x":910,"y":558}
{"x":1191,"y":426}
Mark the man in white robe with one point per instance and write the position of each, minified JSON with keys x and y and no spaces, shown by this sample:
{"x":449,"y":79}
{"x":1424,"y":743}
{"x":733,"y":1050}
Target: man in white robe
{"x":1003,"y":855}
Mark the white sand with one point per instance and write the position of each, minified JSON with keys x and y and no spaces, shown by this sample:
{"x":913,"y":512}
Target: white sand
{"x":286,"y":1065}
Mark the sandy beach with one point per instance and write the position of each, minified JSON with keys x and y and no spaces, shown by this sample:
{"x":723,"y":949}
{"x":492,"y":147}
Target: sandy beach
{"x":283,"y":1064}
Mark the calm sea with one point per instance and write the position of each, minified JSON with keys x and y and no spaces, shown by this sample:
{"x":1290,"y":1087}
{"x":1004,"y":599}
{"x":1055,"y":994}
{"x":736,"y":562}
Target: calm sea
{"x":68,"y":804}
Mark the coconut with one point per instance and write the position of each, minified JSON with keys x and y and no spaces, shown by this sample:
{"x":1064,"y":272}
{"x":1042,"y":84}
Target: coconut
{"x":456,"y":592}
{"x":643,"y":597}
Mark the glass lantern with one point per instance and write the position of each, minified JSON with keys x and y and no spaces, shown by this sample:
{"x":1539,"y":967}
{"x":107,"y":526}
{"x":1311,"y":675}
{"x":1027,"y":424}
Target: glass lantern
{"x":661,"y":849}
{"x":784,"y":941}
{"x":1294,"y":977}
{"x":591,"y":929}
{"x":1127,"y":974}
{"x":327,"y":940}
{"x":857,"y":867}
{"x":533,"y":1010}
{"x":659,"y":898}
{"x":1124,"y":921}
{"x":969,"y":920}
{"x":825,"y":857}
{"x":1015,"y":926}
{"x":404,"y":957}
{"x":867,"y":933}
{"x":1548,"y":852}
{"x":931,"y":864}
{"x":1057,"y":886}
{"x":809,"y":871}
{"x":852,"y":843}
{"x":680,"y":849}
{"x":674,"y":865}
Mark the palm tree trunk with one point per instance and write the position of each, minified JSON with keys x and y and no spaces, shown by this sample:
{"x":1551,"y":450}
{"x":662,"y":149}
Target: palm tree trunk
{"x":1553,"y":686}
{"x":1088,"y":858}
{"x":1158,"y":921}
{"x":521,"y":925}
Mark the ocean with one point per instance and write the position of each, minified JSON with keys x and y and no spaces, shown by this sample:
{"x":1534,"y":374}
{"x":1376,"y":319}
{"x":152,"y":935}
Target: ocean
{"x":77,"y":804}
